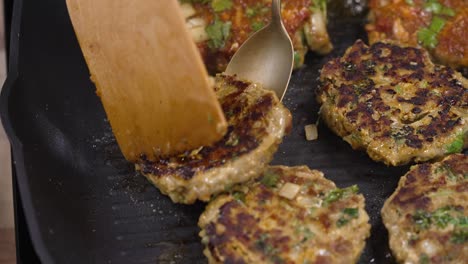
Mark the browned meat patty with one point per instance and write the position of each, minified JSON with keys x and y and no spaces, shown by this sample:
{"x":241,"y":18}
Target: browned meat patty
{"x":438,"y":25}
{"x":393,"y":102}
{"x":427,"y":215}
{"x":221,"y":27}
{"x":288,"y":215}
{"x":257,"y":122}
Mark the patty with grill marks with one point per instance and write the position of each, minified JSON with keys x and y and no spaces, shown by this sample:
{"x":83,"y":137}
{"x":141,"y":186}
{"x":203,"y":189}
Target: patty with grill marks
{"x":427,"y":215}
{"x":288,"y":215}
{"x":393,"y":102}
{"x":257,"y":122}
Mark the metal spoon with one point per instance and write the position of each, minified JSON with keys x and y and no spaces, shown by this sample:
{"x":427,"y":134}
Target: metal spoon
{"x":267,"y":56}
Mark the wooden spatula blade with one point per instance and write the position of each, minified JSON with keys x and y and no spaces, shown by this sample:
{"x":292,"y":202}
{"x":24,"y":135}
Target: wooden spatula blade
{"x":148,"y":74}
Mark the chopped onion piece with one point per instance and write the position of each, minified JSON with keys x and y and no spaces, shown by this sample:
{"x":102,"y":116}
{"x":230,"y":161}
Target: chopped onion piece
{"x":289,"y":190}
{"x":311,"y":132}
{"x":199,"y":34}
{"x":195,"y":22}
{"x":187,"y":10}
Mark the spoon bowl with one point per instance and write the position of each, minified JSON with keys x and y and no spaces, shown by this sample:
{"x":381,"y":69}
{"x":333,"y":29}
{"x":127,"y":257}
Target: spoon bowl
{"x":267,"y":57}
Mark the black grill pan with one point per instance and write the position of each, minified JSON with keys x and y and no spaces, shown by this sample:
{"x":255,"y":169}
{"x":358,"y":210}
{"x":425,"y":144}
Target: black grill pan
{"x":83,"y":203}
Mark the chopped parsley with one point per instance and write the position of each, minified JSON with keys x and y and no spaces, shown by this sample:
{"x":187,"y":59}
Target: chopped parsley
{"x":297,"y":59}
{"x":239,"y":196}
{"x":456,"y":146}
{"x":338,"y":193}
{"x":459,"y":236}
{"x":257,"y":25}
{"x":427,"y":36}
{"x":221,"y":5}
{"x":437,"y":8}
{"x":218,"y":32}
{"x":347,"y":215}
{"x":440,"y":218}
{"x":269,"y":179}
{"x":256,"y":10}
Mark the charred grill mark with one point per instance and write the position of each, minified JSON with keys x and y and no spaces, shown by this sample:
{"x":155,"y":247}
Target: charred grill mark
{"x":440,"y":125}
{"x":416,"y":110}
{"x":413,"y":141}
{"x":408,"y":197}
{"x":243,"y":136}
{"x":347,"y":95}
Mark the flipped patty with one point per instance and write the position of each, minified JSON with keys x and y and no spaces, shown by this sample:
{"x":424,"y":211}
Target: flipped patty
{"x":288,"y":215}
{"x":393,"y":102}
{"x":257,"y":122}
{"x":427,"y":215}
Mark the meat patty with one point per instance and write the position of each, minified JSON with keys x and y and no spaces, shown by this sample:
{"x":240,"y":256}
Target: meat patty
{"x":288,"y":215}
{"x":427,"y":215}
{"x":257,"y":122}
{"x":393,"y":102}
{"x":221,"y":27}
{"x":438,"y":25}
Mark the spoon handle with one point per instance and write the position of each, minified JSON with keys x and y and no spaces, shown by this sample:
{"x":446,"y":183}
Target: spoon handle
{"x":276,"y":11}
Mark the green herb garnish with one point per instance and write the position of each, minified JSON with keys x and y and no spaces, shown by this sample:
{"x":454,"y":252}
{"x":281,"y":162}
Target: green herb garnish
{"x":221,"y":5}
{"x":447,"y":11}
{"x":269,"y":179}
{"x":459,"y":236}
{"x":433,"y":6}
{"x":257,"y":25}
{"x":422,"y":219}
{"x":353,"y":212}
{"x":410,"y":2}
{"x":338,"y":193}
{"x":456,"y":146}
{"x":347,"y":215}
{"x":218,"y":33}
{"x":297,"y":59}
{"x":441,"y":218}
{"x":250,"y":12}
{"x":239,"y":196}
{"x":427,"y":38}
{"x":258,"y":9}
{"x":437,"y":24}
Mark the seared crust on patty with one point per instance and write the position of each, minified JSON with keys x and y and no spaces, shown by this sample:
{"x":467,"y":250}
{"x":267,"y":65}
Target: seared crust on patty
{"x":394,"y":103}
{"x":427,"y":215}
{"x":257,"y":122}
{"x":288,"y":215}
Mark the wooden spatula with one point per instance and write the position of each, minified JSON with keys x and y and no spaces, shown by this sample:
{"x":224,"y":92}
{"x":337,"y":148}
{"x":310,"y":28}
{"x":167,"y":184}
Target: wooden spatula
{"x":148,"y":74}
